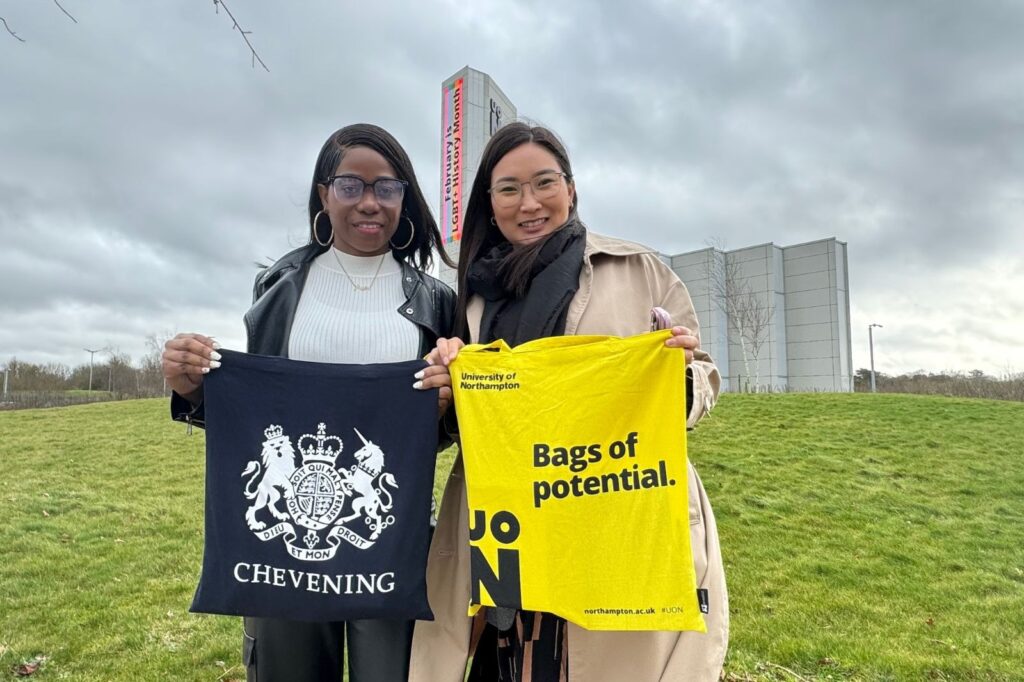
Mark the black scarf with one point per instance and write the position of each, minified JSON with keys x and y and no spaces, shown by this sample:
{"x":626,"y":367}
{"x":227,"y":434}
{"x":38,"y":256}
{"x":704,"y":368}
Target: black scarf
{"x":539,"y":313}
{"x":542,"y":310}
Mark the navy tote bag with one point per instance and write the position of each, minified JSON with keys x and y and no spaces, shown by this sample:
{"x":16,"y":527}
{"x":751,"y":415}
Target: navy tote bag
{"x":318,"y":490}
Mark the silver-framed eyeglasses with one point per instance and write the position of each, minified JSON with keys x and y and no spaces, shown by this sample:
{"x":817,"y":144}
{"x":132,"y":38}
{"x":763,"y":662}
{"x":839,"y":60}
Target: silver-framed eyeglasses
{"x":509,"y":192}
{"x":348,"y":189}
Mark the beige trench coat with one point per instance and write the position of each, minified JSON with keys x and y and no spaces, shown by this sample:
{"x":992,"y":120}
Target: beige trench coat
{"x":619,"y":283}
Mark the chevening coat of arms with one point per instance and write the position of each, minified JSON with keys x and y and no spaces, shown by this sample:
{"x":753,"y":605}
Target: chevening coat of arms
{"x":329,"y":502}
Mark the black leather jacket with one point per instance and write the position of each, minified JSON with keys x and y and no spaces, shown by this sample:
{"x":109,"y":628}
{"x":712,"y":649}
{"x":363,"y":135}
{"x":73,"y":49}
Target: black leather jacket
{"x":429,"y":304}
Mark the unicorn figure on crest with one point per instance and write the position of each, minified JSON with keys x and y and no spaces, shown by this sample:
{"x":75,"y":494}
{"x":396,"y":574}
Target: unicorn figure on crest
{"x":366,"y":496}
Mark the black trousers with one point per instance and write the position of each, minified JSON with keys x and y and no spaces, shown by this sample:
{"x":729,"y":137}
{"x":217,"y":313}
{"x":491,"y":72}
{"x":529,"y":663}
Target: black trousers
{"x":277,"y":650}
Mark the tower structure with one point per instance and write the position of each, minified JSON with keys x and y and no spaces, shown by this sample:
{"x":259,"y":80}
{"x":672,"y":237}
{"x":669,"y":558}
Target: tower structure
{"x":472,"y":108}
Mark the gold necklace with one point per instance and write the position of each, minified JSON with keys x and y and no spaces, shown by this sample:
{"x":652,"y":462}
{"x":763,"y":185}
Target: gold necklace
{"x":372,"y":281}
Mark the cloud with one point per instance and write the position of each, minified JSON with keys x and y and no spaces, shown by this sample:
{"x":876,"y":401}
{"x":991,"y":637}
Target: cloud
{"x":147,"y":166}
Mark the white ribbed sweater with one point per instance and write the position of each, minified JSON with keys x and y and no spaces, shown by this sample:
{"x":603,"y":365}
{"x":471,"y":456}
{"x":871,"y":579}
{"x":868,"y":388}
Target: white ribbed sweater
{"x":335,"y":322}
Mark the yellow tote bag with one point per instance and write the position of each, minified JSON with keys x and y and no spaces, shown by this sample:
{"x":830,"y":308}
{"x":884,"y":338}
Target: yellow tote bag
{"x":575,"y":458}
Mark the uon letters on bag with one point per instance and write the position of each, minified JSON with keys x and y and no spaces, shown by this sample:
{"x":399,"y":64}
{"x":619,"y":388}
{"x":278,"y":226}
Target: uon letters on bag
{"x":576,"y":472}
{"x":318,"y":486}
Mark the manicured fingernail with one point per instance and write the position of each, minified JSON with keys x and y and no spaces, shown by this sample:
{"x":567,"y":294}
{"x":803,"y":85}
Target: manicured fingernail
{"x":216,"y":346}
{"x":215,"y":355}
{"x":214,"y":364}
{"x":205,"y":370}
{"x":418,"y":385}
{"x":419,"y":374}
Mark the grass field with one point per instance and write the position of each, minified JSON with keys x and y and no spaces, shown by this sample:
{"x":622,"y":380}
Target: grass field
{"x":866,"y":537}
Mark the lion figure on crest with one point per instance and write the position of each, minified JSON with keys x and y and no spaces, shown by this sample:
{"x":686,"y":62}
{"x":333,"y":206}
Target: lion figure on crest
{"x":278,"y":464}
{"x":366,"y":497}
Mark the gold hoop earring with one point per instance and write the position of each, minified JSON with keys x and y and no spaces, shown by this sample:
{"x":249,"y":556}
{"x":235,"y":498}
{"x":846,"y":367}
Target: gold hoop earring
{"x":412,"y":235}
{"x":316,"y":220}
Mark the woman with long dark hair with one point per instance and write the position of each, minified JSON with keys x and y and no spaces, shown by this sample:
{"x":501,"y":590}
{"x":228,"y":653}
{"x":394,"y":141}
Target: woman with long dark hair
{"x":529,"y":269}
{"x":355,"y":293}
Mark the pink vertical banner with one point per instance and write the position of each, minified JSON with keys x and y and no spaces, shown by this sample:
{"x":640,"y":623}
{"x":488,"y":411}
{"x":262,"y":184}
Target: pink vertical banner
{"x":451,"y":161}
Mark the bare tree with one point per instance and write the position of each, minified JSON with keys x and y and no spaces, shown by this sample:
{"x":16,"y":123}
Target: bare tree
{"x":150,"y":365}
{"x":217,"y":4}
{"x":749,"y":312}
{"x":11,"y":31}
{"x":19,"y":38}
{"x":65,"y":11}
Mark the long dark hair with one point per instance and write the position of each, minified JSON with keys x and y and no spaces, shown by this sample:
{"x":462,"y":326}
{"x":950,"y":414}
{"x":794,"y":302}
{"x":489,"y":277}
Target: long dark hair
{"x":479,"y":235}
{"x":427,"y":237}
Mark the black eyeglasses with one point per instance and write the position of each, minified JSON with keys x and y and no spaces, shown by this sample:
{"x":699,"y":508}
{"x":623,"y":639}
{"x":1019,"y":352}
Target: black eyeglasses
{"x":348,"y":189}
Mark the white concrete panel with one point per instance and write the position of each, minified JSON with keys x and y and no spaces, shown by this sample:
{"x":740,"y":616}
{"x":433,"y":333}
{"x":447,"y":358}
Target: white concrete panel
{"x":716,"y":318}
{"x":803,"y":250}
{"x":750,"y":268}
{"x":802,"y":266}
{"x":809,"y":350}
{"x":697,"y":286}
{"x":778,"y":270}
{"x":807,"y":299}
{"x":810,"y":367}
{"x":703,"y":320}
{"x":688,"y":275}
{"x":701,"y":302}
{"x":841,"y":266}
{"x":692,"y":258}
{"x":765,"y":298}
{"x":843,"y":338}
{"x":766,"y":378}
{"x":779,"y":337}
{"x":823,"y":331}
{"x":811,"y":315}
{"x":759,"y":252}
{"x":779,"y":313}
{"x":812,"y":383}
{"x":764,"y":365}
{"x":708,"y":332}
{"x":757,"y":283}
{"x":688,"y":272}
{"x":811,"y":280}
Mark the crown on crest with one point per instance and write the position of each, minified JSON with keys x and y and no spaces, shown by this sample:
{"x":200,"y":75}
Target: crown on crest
{"x":274,"y":435}
{"x":319,"y":448}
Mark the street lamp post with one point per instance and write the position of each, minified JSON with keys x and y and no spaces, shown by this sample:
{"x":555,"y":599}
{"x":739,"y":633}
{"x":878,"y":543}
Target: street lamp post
{"x":871,"y":346}
{"x":92,"y":353}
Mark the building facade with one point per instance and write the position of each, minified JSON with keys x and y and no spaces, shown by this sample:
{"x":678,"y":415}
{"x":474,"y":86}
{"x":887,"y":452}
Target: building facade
{"x":774,"y":317}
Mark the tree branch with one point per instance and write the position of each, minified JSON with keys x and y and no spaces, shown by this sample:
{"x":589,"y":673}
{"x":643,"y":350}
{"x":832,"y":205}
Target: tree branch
{"x":217,"y":4}
{"x":65,"y":11}
{"x":16,"y":36}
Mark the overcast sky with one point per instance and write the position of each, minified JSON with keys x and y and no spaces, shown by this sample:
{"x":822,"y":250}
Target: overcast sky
{"x":144,"y":166}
